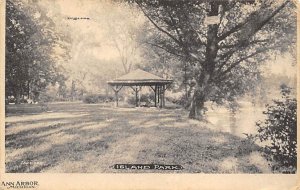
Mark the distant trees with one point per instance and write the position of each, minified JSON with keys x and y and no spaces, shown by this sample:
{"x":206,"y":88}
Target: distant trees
{"x":221,"y":57}
{"x":123,"y":29}
{"x":213,"y":62}
{"x":30,"y":41}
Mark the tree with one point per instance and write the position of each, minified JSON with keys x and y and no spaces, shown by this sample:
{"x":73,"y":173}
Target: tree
{"x":30,"y":42}
{"x":123,"y":27}
{"x":160,"y":62}
{"x":222,"y":57}
{"x":279,"y":130}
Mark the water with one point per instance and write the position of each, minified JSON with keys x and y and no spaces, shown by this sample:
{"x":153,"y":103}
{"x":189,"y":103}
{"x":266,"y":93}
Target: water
{"x":243,"y":121}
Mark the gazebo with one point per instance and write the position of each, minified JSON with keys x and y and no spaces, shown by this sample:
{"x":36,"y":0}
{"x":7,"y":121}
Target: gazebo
{"x":139,"y":78}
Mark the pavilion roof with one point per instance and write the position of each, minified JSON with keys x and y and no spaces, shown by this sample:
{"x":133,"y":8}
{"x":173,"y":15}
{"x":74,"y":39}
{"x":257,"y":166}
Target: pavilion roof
{"x":139,"y":77}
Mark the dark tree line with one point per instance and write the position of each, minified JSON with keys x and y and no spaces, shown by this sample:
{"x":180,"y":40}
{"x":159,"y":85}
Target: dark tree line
{"x":29,"y":62}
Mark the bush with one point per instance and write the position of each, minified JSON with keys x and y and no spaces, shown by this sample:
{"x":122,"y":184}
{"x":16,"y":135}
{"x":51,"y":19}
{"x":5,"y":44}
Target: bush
{"x":97,"y":98}
{"x":177,"y":100}
{"x":10,"y":99}
{"x":280,"y":130}
{"x":60,"y":99}
{"x":23,"y":101}
{"x":147,"y":98}
{"x":45,"y":98}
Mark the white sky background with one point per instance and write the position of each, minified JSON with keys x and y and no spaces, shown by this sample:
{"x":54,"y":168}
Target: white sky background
{"x":282,"y":65}
{"x":91,"y":38}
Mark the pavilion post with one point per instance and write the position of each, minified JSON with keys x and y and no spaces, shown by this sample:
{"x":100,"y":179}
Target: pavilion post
{"x":158,"y":94}
{"x":155,"y":95}
{"x":136,"y":96}
{"x":163,"y":96}
{"x":139,"y":95}
{"x":117,"y":98}
{"x":116,"y":90}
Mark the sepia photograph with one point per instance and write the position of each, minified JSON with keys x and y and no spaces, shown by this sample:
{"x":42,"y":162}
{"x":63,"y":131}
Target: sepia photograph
{"x":149,"y":87}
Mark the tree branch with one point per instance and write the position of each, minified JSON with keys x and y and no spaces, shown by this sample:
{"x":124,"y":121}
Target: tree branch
{"x":264,"y":22}
{"x":248,"y":43}
{"x":166,"y":49}
{"x":233,"y":30}
{"x":228,"y":54}
{"x":197,"y":33}
{"x":245,"y":58}
{"x":159,"y":28}
{"x":259,"y":26}
{"x":239,"y":61}
{"x":176,"y":29}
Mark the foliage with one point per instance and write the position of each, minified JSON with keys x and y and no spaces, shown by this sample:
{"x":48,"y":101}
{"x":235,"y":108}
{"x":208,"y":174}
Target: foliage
{"x":97,"y":98}
{"x":221,"y":59}
{"x":44,"y":97}
{"x":176,"y":100}
{"x":30,"y":42}
{"x":145,"y":98}
{"x":280,"y":130}
{"x":122,"y":35}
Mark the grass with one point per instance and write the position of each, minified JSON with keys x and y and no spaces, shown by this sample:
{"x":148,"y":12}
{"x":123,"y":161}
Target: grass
{"x":78,"y":137}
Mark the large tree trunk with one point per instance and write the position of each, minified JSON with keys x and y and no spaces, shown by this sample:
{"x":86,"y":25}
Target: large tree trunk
{"x":201,"y":91}
{"x":197,"y":105}
{"x":199,"y":97}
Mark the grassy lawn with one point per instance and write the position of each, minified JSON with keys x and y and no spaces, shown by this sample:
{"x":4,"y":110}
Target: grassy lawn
{"x":78,"y":137}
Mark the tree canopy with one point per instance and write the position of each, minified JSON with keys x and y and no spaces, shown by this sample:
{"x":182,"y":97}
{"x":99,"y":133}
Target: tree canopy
{"x":223,"y":57}
{"x":212,"y":49}
{"x":31,"y":39}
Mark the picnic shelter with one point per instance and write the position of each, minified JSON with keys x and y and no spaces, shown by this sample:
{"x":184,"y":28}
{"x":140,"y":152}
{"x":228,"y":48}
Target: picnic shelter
{"x":139,"y":78}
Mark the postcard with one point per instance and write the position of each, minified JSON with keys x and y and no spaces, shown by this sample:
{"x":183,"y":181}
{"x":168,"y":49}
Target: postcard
{"x":149,"y":94}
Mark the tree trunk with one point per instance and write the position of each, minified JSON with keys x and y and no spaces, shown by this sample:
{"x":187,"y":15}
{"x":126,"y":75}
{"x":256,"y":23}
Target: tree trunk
{"x":17,"y":95}
{"x":73,"y":87}
{"x":201,"y":91}
{"x":28,"y":90}
{"x":200,"y":94}
{"x":197,"y":105}
{"x":17,"y":99}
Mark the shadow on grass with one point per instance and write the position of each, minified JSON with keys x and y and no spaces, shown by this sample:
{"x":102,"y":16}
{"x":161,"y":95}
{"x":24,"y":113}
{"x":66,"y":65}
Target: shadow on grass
{"x":103,"y":136}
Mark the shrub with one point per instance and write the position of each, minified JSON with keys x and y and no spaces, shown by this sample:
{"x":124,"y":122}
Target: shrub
{"x":280,"y":131}
{"x":60,"y":99}
{"x":97,"y":98}
{"x":177,"y":100}
{"x":45,"y":98}
{"x":23,"y":101}
{"x":147,"y":98}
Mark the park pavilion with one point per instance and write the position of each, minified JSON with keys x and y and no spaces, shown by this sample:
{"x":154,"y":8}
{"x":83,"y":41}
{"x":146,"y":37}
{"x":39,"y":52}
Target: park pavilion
{"x":139,"y":78}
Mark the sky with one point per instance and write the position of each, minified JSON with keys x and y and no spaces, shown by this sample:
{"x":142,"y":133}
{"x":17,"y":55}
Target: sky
{"x":92,"y":37}
{"x":282,"y":65}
